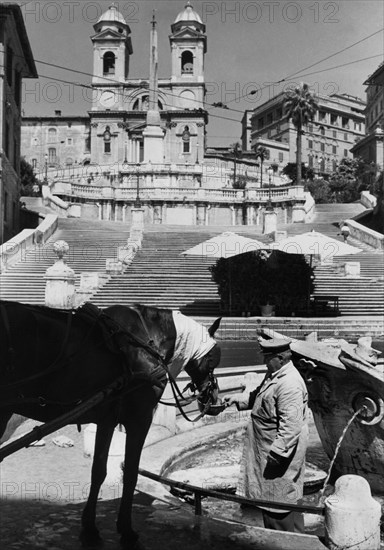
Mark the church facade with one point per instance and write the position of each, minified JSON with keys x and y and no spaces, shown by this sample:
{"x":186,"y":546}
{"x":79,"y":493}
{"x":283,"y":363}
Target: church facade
{"x":145,"y":139}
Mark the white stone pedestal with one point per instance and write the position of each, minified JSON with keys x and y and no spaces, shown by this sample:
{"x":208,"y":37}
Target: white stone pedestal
{"x":137,"y":218}
{"x":153,"y":139}
{"x":269,"y":221}
{"x":60,"y":281}
{"x":352,"y":516}
{"x":352,"y":269}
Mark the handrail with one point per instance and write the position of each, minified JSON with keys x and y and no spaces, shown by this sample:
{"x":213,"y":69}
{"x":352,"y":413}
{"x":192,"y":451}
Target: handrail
{"x":199,"y":492}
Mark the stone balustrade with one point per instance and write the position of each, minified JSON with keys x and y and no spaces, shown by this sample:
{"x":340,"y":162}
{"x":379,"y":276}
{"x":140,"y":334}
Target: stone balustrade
{"x":365,"y":234}
{"x":225,"y":195}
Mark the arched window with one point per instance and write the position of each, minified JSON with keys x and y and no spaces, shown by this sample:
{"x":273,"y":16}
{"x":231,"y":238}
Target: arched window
{"x":186,"y":138}
{"x":52,"y":132}
{"x":109,"y":63}
{"x":187,"y":62}
{"x":107,"y":140}
{"x":142,"y":104}
{"x":69,"y":161}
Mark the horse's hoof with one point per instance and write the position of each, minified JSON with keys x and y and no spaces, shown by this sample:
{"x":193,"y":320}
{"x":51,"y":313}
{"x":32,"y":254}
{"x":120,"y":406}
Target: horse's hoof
{"x":90,"y":538}
{"x":130,"y":543}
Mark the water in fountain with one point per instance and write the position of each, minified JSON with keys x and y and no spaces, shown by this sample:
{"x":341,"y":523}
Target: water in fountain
{"x":359,"y":411}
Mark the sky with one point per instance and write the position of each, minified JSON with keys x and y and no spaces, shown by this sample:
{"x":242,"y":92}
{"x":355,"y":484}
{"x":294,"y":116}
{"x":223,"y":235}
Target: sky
{"x":252,"y":45}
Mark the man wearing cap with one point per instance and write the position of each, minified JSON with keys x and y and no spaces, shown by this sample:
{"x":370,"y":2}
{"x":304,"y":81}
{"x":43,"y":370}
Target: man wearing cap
{"x":273,"y":461}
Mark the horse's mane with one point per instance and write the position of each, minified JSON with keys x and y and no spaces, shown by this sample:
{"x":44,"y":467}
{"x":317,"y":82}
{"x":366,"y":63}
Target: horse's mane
{"x":152,"y":313}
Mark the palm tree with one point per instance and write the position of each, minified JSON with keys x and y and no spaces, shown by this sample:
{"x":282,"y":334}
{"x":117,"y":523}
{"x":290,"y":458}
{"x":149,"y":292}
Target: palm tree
{"x":236,"y":151}
{"x":261,"y":153}
{"x":300,"y":105}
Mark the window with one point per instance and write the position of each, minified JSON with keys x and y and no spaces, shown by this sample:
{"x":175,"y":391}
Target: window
{"x":345,"y":152}
{"x":269,"y":118}
{"x":142,"y":104}
{"x":334,"y":120}
{"x":51,"y":155}
{"x":15,"y":149}
{"x":69,"y":141}
{"x":109,"y":61}
{"x":322,"y":130}
{"x":346,"y":137}
{"x":281,"y":157}
{"x":279,"y":113}
{"x":187,"y":62}
{"x":322,"y":115}
{"x":334,"y":133}
{"x":310,"y":128}
{"x":345,"y":122}
{"x":17,"y":88}
{"x":310,"y":161}
{"x":6,"y":211}
{"x":322,"y":147}
{"x":69,"y":161}
{"x":186,"y":138}
{"x":310,"y":144}
{"x":9,"y":65}
{"x":6,"y":148}
{"x":52,"y":132}
{"x":334,"y":149}
{"x":34,"y":163}
{"x":260,"y":123}
{"x":107,"y":140}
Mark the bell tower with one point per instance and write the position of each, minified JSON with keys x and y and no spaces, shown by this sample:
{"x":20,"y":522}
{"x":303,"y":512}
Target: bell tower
{"x":188,"y":45}
{"x":111,"y":52}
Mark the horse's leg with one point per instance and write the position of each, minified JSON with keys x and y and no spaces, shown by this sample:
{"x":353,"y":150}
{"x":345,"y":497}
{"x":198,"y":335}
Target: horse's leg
{"x":137,"y":424}
{"x":89,"y":532}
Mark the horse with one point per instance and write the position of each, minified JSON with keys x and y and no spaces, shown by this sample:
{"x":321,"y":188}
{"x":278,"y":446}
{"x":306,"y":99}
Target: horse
{"x":53,"y":360}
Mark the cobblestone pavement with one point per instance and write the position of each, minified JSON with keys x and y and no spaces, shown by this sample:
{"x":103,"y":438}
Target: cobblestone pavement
{"x":43,"y":490}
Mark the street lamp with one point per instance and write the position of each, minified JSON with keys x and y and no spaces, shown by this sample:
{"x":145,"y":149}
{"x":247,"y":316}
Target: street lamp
{"x":138,"y":201}
{"x":270,"y":174}
{"x":46,"y":169}
{"x":306,"y":166}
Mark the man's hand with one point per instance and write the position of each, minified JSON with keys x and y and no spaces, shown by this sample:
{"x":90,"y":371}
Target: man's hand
{"x":276,"y":466}
{"x":232,"y":399}
{"x":275,"y":460}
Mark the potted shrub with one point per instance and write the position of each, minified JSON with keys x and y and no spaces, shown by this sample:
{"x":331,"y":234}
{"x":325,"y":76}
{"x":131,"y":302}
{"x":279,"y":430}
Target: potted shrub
{"x":262,"y":282}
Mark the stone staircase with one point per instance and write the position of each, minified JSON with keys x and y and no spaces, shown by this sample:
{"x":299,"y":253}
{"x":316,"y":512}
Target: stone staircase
{"x":160,"y":275}
{"x":336,"y":213}
{"x":91,"y":243}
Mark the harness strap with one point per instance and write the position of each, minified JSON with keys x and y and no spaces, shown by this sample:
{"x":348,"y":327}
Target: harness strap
{"x":175,"y":389}
{"x":11,"y":351}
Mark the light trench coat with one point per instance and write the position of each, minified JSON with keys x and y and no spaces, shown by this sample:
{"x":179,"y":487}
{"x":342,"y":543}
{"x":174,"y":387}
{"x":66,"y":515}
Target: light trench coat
{"x":279,"y":423}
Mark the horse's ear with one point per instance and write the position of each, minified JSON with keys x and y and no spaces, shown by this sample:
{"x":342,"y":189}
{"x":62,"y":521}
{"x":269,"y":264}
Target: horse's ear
{"x":213,"y":328}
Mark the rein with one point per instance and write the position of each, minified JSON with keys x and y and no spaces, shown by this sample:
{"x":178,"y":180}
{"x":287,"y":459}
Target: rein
{"x":177,"y":394}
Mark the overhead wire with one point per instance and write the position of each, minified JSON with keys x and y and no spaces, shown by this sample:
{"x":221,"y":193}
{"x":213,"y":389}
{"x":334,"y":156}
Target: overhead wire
{"x":214,"y":105}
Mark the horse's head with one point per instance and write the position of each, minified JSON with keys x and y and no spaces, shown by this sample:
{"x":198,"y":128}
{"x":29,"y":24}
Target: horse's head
{"x":203,"y":379}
